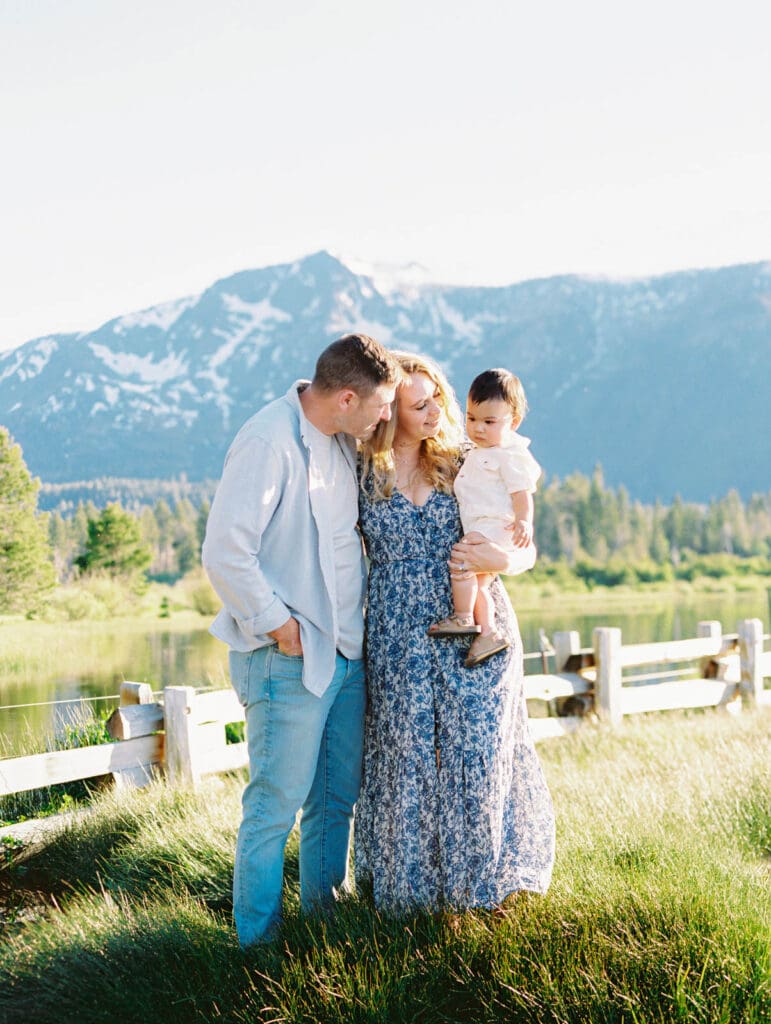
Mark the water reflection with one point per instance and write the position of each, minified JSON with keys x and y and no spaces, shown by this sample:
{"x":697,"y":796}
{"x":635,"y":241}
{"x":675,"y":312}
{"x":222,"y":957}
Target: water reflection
{"x":160,"y":658}
{"x":194,"y":658}
{"x":667,"y":620}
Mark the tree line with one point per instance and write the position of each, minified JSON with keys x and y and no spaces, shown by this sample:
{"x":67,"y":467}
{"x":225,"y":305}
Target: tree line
{"x":578,"y":520}
{"x":584,"y":528}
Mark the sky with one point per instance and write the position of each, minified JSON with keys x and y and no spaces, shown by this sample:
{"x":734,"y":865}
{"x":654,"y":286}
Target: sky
{"x":153,"y":147}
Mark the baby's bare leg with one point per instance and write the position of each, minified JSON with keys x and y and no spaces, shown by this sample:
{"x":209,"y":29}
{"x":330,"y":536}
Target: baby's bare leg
{"x":484,"y":606}
{"x":464,"y":594}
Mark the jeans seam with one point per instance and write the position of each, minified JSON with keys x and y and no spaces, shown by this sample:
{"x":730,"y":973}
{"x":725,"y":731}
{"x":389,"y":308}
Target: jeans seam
{"x":265,"y":750}
{"x":323,"y":839}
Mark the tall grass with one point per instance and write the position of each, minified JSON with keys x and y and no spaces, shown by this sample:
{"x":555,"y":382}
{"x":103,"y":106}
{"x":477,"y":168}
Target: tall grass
{"x":658,"y":911}
{"x":86,"y":726}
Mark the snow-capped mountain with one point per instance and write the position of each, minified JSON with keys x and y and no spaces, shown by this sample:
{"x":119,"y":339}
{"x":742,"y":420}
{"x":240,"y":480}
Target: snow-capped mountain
{"x":665,"y":380}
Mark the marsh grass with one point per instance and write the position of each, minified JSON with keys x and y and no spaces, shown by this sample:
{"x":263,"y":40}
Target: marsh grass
{"x":658,"y":911}
{"x":86,"y":726}
{"x":532,"y":594}
{"x":31,"y":649}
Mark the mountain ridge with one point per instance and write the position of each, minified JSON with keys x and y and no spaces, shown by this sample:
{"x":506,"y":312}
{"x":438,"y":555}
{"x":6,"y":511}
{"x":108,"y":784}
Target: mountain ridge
{"x":662,"y":380}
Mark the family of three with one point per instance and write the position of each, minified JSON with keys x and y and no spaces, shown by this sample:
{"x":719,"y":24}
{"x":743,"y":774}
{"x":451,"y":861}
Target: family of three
{"x":414,"y":713}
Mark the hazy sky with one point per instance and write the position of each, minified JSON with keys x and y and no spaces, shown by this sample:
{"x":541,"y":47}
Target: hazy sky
{"x":152,"y":147}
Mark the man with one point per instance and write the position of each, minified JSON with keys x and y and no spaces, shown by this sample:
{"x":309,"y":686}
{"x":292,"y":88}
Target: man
{"x":283,"y":551}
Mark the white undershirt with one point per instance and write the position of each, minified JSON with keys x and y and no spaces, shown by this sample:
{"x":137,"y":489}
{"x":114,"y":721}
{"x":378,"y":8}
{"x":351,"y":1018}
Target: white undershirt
{"x":340,"y":498}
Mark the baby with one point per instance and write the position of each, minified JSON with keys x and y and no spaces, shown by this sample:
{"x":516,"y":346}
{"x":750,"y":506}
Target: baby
{"x":494,"y":489}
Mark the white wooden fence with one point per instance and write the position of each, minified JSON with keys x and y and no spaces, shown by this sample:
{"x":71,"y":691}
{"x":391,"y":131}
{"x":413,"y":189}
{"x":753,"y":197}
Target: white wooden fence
{"x":710,"y":670}
{"x":185,"y":735}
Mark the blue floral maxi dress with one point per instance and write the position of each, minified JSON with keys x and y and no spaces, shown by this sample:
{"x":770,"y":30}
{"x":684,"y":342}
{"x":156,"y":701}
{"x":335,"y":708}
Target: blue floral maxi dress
{"x":454,"y":809}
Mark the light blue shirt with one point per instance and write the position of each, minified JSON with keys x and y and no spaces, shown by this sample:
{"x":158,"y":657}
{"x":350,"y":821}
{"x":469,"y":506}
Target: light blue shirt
{"x":269,"y":548}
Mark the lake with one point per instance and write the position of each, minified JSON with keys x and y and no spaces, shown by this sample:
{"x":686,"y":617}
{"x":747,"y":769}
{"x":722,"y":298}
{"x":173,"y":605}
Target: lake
{"x":169,"y":656}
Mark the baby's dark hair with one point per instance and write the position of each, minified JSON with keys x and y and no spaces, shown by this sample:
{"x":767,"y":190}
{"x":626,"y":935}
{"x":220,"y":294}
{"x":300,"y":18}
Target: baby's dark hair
{"x":499,"y":385}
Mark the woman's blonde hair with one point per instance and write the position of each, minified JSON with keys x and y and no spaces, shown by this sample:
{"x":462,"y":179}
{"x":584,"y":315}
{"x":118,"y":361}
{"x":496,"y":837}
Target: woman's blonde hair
{"x":439,"y":456}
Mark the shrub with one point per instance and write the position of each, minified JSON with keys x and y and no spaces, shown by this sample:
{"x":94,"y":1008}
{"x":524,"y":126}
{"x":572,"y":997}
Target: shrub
{"x":73,"y":604}
{"x":199,"y":593}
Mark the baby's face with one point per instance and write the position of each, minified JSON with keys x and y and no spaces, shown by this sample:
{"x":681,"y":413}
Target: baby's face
{"x":490,"y":424}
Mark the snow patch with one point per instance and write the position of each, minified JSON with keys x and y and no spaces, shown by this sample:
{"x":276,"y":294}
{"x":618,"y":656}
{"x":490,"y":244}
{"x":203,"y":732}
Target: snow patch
{"x":249,"y":318}
{"x":40,"y":356}
{"x":51,"y":405}
{"x":257,"y":313}
{"x":163,"y":316}
{"x":346,"y":321}
{"x":28,"y":364}
{"x":464,"y":330}
{"x":128,"y":364}
{"x":13,"y":367}
{"x":389,"y":277}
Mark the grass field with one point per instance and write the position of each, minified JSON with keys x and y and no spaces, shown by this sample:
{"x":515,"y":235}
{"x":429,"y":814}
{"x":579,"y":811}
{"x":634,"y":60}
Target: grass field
{"x":658,"y":911}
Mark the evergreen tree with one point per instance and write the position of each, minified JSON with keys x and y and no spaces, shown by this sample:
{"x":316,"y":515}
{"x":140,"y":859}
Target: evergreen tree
{"x":186,"y":546}
{"x":621,"y":520}
{"x":659,"y":546}
{"x":115,"y":545}
{"x":759,"y":524}
{"x":59,"y":539}
{"x":164,"y":517}
{"x":26,"y":572}
{"x":200,"y":526}
{"x":593,"y":532}
{"x":148,"y":527}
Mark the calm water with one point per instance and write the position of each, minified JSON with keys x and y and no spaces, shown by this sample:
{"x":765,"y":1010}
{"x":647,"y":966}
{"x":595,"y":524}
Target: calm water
{"x":668,"y":619}
{"x":172,"y":658}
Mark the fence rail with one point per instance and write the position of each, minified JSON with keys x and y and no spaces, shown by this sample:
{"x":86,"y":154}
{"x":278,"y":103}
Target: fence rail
{"x":184,"y":735}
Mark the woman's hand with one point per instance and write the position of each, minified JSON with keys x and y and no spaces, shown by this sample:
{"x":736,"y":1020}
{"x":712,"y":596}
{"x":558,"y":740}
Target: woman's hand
{"x":474,"y":553}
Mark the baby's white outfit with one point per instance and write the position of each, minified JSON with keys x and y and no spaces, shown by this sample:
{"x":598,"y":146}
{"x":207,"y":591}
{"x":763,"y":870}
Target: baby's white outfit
{"x":483,"y":488}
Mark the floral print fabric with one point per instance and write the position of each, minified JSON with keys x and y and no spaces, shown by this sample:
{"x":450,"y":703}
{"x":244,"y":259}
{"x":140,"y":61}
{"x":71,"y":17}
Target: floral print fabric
{"x":454,"y":809}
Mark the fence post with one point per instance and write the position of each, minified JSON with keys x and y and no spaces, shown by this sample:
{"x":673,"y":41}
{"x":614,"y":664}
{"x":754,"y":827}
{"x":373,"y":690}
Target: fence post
{"x":135,"y":693}
{"x":132,"y":695}
{"x":710,"y":627}
{"x":180,"y":739}
{"x":566,"y":642}
{"x":606,"y":641}
{"x":750,"y":655}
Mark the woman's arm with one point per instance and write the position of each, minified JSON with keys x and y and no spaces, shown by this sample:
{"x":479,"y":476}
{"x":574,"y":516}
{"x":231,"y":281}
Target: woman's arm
{"x":475,"y":553}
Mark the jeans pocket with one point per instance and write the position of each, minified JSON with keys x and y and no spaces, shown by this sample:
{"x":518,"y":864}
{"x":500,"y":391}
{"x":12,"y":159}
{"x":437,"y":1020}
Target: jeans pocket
{"x":285,"y":666}
{"x":239,"y":675}
{"x":248,"y":674}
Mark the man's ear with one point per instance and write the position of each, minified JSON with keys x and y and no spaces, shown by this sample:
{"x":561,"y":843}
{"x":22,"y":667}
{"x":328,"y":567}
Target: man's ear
{"x":345,"y":398}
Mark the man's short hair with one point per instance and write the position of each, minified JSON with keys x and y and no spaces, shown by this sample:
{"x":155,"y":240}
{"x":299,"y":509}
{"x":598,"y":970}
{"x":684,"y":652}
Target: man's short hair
{"x":355,"y":361}
{"x":499,"y":385}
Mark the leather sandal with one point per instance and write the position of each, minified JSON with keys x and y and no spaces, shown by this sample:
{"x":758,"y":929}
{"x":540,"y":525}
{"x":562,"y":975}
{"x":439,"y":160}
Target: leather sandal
{"x":452,"y":626}
{"x":483,"y":647}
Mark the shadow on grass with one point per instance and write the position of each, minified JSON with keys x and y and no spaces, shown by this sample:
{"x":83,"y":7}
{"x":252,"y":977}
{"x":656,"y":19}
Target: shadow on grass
{"x":174,"y":959}
{"x":142,"y":843}
{"x":651,"y":919}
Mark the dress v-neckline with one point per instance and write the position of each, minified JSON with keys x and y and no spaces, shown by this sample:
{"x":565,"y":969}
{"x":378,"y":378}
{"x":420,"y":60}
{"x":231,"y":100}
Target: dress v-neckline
{"x":409,"y":501}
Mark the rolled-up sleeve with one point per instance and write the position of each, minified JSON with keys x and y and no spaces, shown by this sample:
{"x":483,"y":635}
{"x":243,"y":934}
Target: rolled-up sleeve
{"x":246,"y":500}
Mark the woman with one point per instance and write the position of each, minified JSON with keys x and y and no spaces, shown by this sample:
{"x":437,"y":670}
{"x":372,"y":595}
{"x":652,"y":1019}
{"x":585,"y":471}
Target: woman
{"x":454,"y":811}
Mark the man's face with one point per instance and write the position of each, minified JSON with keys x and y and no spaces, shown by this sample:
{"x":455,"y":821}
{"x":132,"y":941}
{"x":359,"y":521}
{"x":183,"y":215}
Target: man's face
{"x":362,"y":414}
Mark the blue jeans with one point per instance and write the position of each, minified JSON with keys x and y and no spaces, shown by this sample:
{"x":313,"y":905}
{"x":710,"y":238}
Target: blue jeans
{"x":304,"y":752}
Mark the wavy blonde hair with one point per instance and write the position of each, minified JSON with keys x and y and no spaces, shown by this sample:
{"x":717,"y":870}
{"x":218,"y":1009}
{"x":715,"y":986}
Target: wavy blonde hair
{"x":439,"y":456}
